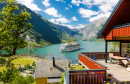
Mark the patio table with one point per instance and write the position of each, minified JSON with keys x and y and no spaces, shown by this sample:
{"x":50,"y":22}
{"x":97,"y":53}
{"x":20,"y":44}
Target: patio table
{"x":118,"y":58}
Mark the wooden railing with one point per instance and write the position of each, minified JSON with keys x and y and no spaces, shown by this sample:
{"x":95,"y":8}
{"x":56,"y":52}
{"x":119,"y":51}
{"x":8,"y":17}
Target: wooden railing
{"x":99,"y":55}
{"x":96,"y":73}
{"x":92,"y":76}
{"x":90,"y":63}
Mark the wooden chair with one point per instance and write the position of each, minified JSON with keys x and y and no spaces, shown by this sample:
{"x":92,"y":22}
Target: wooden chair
{"x":111,"y":57}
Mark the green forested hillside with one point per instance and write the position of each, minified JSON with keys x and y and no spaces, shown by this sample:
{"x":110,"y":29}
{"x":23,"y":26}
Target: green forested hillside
{"x":43,"y":32}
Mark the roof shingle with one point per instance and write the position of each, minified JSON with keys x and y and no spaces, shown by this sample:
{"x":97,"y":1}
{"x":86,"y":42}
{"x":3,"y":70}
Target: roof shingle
{"x":44,"y":68}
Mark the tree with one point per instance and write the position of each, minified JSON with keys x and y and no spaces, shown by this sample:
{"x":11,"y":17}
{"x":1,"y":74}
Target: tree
{"x":12,"y":26}
{"x":23,"y":80}
{"x":6,"y":18}
{"x":2,"y":61}
{"x":9,"y":74}
{"x":30,"y":79}
{"x":113,"y":49}
{"x":20,"y":26}
{"x":19,"y":80}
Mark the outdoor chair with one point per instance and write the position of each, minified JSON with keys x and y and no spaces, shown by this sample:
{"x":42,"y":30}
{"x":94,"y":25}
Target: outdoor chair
{"x":126,"y":63}
{"x":111,"y":57}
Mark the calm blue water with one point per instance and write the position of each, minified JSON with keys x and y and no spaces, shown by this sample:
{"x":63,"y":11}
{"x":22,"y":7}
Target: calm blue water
{"x":86,"y":46}
{"x":54,"y":50}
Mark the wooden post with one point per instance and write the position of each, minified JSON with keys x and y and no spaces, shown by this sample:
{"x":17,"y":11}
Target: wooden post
{"x":105,"y":51}
{"x":120,"y":47}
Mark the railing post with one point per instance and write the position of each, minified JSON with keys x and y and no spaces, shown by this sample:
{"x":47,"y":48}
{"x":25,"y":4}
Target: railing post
{"x":105,"y":51}
{"x":67,"y":77}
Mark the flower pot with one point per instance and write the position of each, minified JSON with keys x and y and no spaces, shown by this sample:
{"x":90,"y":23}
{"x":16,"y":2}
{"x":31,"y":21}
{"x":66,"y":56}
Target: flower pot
{"x":108,"y":78}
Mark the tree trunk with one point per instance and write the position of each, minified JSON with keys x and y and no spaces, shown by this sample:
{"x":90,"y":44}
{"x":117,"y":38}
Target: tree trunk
{"x":14,"y":50}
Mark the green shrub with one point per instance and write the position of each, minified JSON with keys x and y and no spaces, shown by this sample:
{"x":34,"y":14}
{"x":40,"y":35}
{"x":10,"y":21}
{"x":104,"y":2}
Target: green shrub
{"x":2,"y":61}
{"x":62,"y":78}
{"x":33,"y":64}
{"x":23,"y":80}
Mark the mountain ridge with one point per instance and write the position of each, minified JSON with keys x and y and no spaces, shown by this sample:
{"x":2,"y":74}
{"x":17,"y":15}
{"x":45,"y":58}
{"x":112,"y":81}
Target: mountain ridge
{"x":71,"y":32}
{"x":90,"y":30}
{"x":87,"y":33}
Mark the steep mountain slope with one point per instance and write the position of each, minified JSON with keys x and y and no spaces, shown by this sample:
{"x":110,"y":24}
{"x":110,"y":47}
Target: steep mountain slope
{"x":43,"y":32}
{"x":71,"y":32}
{"x":90,"y":31}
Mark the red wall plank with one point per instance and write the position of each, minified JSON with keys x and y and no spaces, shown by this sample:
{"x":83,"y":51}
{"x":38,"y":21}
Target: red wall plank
{"x":125,"y":31}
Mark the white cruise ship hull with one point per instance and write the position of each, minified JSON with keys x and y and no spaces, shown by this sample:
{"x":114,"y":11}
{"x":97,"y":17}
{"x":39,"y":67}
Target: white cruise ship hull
{"x":69,"y":50}
{"x":69,"y":47}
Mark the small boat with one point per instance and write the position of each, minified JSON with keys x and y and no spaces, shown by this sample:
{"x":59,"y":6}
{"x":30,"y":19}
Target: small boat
{"x":70,"y":47}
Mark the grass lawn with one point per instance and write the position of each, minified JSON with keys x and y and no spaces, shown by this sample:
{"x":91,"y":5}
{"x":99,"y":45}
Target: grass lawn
{"x":2,"y":68}
{"x":23,"y":61}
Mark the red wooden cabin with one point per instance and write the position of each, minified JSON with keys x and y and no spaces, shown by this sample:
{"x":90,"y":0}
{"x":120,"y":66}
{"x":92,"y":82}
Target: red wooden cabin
{"x":117,"y":28}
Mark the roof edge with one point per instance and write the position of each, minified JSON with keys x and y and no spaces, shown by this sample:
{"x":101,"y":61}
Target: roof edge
{"x":122,"y":25}
{"x":111,"y":15}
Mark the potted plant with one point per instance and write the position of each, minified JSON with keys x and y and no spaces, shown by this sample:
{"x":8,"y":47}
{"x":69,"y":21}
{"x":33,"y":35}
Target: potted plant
{"x":109,"y":76}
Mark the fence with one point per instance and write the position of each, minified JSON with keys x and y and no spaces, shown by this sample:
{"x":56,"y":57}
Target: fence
{"x":99,"y":55}
{"x":93,"y":76}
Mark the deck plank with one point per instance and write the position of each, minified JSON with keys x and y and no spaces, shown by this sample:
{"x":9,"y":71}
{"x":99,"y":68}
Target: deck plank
{"x":119,"y":73}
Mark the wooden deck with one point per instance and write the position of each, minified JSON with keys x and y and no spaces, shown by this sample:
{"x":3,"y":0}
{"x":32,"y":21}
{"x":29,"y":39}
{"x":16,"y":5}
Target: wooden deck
{"x":119,"y":73}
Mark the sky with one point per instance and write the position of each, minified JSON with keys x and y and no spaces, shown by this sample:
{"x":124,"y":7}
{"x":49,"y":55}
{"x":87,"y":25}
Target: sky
{"x":72,"y":13}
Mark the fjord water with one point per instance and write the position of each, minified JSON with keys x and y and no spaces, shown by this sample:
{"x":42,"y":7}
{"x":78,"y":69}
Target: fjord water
{"x":86,"y":46}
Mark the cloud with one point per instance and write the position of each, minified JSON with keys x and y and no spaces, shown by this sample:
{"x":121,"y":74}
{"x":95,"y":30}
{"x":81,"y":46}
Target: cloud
{"x":78,"y":2}
{"x":86,"y":13}
{"x":70,"y":5}
{"x":80,"y":26}
{"x":52,"y":11}
{"x":105,"y":5}
{"x":30,"y":4}
{"x":66,"y":8}
{"x":61,"y":1}
{"x":60,"y":20}
{"x":99,"y":16}
{"x":72,"y":27}
{"x":46,"y":3}
{"x":69,"y":26}
{"x":105,"y":8}
{"x":74,"y":18}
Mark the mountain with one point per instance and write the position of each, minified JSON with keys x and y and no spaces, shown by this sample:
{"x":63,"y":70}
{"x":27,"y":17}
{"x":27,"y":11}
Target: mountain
{"x":90,"y":31}
{"x":71,"y":32}
{"x":44,"y":32}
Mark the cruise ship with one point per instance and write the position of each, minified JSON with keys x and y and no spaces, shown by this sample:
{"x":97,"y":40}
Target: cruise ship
{"x":70,"y":47}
